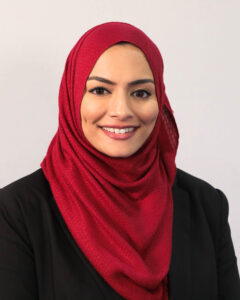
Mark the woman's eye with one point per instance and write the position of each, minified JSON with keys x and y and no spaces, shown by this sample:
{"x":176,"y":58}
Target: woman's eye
{"x":142,"y":94}
{"x":98,"y":90}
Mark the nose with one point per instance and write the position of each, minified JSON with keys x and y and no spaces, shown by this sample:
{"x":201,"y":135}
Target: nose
{"x":119,"y":106}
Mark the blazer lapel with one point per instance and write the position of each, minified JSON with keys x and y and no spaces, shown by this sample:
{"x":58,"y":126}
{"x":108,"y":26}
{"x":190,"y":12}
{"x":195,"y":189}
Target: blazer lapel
{"x":179,"y":280}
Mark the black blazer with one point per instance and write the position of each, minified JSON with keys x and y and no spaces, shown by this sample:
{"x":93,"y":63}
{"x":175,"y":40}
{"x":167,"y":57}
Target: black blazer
{"x":40,"y":260}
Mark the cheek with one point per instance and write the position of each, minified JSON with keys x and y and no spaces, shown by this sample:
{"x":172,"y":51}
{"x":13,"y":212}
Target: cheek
{"x":91,"y":111}
{"x":149,"y":113}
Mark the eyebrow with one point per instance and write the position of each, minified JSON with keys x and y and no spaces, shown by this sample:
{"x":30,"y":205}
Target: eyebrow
{"x":135,"y":82}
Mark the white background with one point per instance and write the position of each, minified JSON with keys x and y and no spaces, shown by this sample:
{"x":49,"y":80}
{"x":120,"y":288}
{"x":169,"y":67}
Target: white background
{"x":199,"y":42}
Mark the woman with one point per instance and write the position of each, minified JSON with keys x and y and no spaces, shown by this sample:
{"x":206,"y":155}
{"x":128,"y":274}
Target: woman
{"x":108,"y":215}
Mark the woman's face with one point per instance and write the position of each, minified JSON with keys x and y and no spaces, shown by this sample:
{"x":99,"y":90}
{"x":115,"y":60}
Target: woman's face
{"x":119,"y":106}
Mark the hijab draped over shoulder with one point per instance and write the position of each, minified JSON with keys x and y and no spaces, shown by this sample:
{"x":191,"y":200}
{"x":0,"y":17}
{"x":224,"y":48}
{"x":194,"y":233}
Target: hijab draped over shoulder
{"x":119,"y":210}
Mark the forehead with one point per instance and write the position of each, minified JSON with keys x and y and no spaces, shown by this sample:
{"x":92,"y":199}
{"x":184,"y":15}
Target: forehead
{"x":123,"y":58}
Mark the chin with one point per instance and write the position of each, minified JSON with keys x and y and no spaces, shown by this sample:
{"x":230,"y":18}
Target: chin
{"x":119,"y":153}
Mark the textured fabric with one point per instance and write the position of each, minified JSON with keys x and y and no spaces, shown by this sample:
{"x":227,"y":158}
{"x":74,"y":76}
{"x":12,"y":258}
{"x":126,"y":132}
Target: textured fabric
{"x":118,"y":210}
{"x":39,"y":259}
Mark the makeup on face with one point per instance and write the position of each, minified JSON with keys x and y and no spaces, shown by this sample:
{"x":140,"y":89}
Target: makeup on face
{"x":119,"y":107}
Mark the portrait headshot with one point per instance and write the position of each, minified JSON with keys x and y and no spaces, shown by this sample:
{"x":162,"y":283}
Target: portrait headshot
{"x":119,"y":154}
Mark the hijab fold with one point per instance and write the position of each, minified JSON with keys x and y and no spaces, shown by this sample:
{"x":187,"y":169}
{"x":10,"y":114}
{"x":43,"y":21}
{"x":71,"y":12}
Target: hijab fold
{"x":119,"y":211}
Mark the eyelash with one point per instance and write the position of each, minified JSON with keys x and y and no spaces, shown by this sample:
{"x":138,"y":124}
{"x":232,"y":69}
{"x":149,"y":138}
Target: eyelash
{"x":104,"y":89}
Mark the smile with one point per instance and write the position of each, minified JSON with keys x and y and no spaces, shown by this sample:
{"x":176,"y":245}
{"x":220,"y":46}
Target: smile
{"x":119,"y":133}
{"x":117,"y":130}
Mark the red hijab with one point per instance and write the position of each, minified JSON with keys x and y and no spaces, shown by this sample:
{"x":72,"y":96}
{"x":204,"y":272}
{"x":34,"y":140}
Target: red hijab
{"x":118,"y":210}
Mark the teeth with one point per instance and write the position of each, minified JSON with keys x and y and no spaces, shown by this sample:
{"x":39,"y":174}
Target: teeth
{"x":117,"y":130}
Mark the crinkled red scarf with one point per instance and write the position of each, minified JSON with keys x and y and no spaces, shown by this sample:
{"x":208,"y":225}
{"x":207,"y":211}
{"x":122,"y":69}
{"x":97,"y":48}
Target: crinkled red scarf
{"x":118,"y":210}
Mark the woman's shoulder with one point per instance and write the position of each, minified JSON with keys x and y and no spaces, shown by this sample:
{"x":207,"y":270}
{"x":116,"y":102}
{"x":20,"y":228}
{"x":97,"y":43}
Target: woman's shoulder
{"x":24,"y":193}
{"x":32,"y":181}
{"x":24,"y":206}
{"x":190,"y":181}
{"x":195,"y":185}
{"x":201,"y":196}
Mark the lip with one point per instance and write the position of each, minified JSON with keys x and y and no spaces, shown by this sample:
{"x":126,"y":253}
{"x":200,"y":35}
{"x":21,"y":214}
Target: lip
{"x":119,"y":136}
{"x":119,"y":126}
